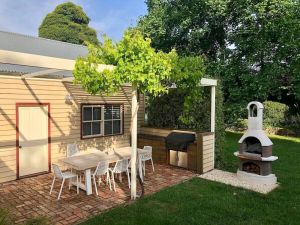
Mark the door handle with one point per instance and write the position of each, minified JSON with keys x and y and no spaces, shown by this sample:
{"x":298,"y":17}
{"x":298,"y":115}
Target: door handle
{"x":20,"y":146}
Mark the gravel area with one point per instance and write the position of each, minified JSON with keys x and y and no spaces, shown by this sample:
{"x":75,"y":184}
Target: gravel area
{"x":231,"y":179}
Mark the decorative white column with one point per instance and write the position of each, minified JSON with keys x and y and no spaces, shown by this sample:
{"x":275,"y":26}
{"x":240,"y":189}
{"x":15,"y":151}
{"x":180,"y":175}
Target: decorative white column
{"x":134,"y":109}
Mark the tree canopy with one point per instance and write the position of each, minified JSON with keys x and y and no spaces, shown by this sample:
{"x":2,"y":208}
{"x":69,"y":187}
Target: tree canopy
{"x":252,"y":45}
{"x":68,"y":23}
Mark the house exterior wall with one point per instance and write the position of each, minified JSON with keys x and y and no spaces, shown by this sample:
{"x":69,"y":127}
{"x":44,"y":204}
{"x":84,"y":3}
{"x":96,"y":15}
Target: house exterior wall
{"x":65,"y":118}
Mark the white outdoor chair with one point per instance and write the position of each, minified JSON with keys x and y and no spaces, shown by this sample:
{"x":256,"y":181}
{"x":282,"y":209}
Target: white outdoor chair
{"x":138,"y":169}
{"x":101,"y":169}
{"x":146,"y":155}
{"x":120,"y":167}
{"x":63,"y":176}
{"x":72,"y":150}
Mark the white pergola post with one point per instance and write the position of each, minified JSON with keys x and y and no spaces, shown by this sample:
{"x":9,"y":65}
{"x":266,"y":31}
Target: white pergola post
{"x":212,"y":108}
{"x":206,"y":82}
{"x":134,"y":109}
{"x":213,"y":116}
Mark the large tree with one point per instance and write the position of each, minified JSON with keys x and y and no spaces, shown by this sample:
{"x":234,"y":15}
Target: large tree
{"x":252,"y":45}
{"x":69,"y":23}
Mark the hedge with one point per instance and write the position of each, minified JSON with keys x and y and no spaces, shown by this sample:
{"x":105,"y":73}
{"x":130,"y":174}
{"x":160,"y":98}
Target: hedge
{"x":275,"y":114}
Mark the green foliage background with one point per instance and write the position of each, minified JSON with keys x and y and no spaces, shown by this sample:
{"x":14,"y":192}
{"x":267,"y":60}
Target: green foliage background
{"x":252,"y":46}
{"x":68,"y":23}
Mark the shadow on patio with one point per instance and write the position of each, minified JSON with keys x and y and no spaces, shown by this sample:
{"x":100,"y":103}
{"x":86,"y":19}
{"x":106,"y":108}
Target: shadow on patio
{"x":30,"y":197}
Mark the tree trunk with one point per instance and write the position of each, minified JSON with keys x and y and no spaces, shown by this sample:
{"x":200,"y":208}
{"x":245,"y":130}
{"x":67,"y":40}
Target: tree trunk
{"x":134,"y":110}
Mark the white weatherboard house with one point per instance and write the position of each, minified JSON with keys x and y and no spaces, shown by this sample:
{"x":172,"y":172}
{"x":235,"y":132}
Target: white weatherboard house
{"x":42,"y":111}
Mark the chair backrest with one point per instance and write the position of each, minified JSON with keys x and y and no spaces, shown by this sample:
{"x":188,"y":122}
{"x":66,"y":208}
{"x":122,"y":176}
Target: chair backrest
{"x":102,"y":168}
{"x":148,"y":148}
{"x":121,"y":166}
{"x":57,"y":171}
{"x":72,"y":149}
{"x":146,"y":154}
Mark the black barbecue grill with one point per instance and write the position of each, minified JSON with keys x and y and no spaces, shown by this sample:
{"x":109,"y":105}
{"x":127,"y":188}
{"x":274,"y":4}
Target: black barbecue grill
{"x":179,"y":141}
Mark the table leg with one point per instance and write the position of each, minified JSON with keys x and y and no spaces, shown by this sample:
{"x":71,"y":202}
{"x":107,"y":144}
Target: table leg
{"x":88,"y":182}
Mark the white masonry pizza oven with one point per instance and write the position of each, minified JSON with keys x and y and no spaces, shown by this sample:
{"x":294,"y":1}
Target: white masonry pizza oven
{"x":255,"y":149}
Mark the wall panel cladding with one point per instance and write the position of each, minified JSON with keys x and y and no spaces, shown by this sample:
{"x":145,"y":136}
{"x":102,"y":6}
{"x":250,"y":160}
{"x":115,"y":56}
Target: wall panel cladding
{"x":65,"y":117}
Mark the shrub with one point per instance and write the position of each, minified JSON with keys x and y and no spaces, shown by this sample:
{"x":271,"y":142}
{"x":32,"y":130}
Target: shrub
{"x":293,"y":123}
{"x":275,"y":114}
{"x":235,"y":115}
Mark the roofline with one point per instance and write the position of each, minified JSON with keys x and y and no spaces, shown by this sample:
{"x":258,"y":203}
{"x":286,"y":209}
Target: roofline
{"x":35,"y":37}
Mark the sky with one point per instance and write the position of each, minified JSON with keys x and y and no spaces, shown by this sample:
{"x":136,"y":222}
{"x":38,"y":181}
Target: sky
{"x":109,"y":17}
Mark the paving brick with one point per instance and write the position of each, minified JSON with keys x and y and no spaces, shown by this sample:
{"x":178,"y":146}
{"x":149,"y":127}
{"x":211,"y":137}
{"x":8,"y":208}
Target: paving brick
{"x":30,"y":197}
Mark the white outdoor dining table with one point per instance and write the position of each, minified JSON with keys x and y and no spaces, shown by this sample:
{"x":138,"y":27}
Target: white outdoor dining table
{"x":88,"y":161}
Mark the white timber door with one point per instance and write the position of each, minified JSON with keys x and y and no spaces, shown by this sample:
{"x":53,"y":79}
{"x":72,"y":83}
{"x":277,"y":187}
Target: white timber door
{"x":33,"y":139}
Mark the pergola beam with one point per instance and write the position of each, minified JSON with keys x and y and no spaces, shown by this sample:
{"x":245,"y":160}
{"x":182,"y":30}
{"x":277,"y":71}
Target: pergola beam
{"x":25,"y":59}
{"x":208,"y":82}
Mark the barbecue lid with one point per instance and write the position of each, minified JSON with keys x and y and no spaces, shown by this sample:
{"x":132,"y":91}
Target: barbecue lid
{"x":179,"y":140}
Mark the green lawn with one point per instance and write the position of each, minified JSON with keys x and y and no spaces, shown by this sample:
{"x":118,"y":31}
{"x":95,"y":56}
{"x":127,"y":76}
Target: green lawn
{"x":203,"y":202}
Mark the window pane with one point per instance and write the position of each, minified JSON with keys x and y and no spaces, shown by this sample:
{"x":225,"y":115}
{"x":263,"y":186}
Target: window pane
{"x":107,"y":127}
{"x":108,"y":112}
{"x":96,"y":113}
{"x":117,"y":126}
{"x":116,"y":112}
{"x":86,"y":129}
{"x":96,"y":128}
{"x":87,"y":113}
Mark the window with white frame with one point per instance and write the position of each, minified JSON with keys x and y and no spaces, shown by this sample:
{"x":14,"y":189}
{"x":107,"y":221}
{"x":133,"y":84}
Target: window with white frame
{"x":101,"y":120}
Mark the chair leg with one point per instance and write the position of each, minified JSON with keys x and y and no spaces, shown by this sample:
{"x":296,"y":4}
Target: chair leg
{"x":77,"y":184}
{"x":99,"y":181}
{"x":52,"y":185}
{"x":144,"y":167}
{"x":108,"y":179}
{"x":70,"y":181}
{"x":129,"y":184}
{"x":152,"y":165}
{"x":62,"y":185}
{"x":94,"y":180}
{"x":113,"y":180}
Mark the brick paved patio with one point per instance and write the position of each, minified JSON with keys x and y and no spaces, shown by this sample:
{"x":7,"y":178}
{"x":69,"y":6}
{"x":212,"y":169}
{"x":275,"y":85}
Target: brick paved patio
{"x":30,"y":197}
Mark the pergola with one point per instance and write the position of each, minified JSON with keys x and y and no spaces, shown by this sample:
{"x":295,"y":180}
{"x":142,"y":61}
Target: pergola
{"x":49,"y":67}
